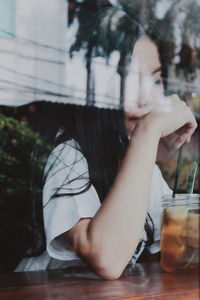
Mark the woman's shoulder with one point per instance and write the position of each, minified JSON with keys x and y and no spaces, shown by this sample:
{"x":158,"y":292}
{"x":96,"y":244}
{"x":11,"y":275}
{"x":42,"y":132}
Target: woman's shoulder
{"x":65,"y":155}
{"x":67,"y":146}
{"x":66,"y":151}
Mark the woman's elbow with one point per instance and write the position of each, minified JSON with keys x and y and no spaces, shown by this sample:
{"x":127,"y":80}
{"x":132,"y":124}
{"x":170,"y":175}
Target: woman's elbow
{"x":107,"y":274}
{"x":98,"y":258}
{"x":104,"y":269}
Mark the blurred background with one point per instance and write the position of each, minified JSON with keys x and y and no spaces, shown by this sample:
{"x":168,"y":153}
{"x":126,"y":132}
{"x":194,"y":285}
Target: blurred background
{"x":49,"y":52}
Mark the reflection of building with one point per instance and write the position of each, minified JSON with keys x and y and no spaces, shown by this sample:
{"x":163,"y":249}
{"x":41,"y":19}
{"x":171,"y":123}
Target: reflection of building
{"x":33,"y":60}
{"x":32,"y":50}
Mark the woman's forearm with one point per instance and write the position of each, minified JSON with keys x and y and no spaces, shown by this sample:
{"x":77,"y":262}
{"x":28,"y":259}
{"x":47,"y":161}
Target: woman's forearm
{"x":116,"y":229}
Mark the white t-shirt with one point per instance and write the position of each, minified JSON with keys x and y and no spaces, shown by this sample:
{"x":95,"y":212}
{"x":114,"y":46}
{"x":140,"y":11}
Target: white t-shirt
{"x":67,"y":172}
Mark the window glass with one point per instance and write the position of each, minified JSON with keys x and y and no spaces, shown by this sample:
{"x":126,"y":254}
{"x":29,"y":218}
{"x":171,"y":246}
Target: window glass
{"x":7,"y":18}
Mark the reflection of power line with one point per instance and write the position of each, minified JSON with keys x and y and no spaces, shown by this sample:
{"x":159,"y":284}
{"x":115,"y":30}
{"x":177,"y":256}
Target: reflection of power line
{"x":184,"y":85}
{"x":75,"y":54}
{"x":31,"y":93}
{"x":70,"y":99}
{"x":107,"y":65}
{"x":41,"y":92}
{"x":31,"y":57}
{"x":32,"y":89}
{"x":31,"y":76}
{"x":46,"y":92}
{"x":92,"y":57}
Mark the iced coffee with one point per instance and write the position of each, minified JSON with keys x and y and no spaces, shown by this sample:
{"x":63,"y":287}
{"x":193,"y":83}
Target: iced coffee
{"x":180,"y":233}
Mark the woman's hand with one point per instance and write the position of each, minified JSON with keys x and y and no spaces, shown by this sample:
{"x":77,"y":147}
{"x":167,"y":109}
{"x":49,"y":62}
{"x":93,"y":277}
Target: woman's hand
{"x":134,"y":114}
{"x":171,"y":116}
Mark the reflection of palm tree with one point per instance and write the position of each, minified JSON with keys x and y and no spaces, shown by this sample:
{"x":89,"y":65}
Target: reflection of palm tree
{"x":102,"y":31}
{"x":118,"y":32}
{"x":86,"y":39}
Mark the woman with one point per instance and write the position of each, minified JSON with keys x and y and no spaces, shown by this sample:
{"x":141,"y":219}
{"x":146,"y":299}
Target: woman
{"x":102,"y":190}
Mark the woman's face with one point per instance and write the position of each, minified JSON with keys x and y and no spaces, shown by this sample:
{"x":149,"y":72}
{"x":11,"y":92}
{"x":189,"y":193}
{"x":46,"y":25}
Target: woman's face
{"x":146,"y":82}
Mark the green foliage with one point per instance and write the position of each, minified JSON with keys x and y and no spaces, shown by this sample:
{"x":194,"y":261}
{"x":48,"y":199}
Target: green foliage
{"x":23,"y":155}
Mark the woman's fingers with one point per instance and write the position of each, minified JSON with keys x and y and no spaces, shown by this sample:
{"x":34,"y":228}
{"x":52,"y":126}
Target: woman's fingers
{"x":185,"y":133}
{"x":181,"y":140}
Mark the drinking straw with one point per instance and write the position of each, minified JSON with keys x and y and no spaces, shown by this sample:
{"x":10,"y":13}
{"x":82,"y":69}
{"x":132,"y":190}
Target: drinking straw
{"x":191,"y":178}
{"x":178,"y":166}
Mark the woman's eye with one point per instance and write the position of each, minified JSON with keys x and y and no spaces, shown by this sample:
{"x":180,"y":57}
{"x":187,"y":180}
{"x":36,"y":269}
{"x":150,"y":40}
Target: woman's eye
{"x":158,"y":81}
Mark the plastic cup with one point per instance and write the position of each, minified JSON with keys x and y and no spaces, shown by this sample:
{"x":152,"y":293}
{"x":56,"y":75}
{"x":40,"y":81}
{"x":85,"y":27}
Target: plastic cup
{"x":180,"y":233}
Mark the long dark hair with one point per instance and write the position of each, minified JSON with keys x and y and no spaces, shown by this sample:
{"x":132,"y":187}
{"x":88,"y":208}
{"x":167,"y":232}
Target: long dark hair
{"x":103,"y":141}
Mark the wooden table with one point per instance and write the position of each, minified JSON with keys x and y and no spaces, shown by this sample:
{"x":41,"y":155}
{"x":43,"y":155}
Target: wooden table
{"x":145,"y":281}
